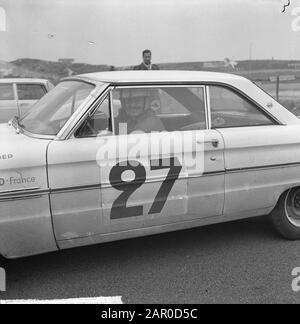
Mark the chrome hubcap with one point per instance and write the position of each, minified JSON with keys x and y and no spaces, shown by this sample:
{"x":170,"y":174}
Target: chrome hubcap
{"x":292,"y":206}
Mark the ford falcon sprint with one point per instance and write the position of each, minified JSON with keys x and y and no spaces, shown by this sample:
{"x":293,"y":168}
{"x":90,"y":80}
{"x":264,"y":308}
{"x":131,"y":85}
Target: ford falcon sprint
{"x":18,"y":95}
{"x":117,"y":155}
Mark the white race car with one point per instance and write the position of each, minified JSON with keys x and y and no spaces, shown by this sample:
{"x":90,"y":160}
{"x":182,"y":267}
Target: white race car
{"x":116,"y":155}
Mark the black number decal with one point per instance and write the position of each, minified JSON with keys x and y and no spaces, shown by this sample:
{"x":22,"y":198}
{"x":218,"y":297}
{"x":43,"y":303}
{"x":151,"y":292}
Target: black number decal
{"x":167,"y":185}
{"x":119,"y":207}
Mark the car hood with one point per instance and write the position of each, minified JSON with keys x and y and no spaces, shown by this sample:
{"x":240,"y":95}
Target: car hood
{"x":22,"y":160}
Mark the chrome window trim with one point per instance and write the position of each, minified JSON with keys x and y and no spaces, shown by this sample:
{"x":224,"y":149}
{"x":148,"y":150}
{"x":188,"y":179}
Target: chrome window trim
{"x":97,"y":100}
{"x":68,"y":129}
{"x":103,"y":88}
{"x":171,"y":85}
{"x":36,"y":136}
{"x":206,"y":83}
{"x":110,"y":88}
{"x":111,"y":110}
{"x":241,"y":93}
{"x":208,"y":106}
{"x":19,"y":130}
{"x":161,"y":85}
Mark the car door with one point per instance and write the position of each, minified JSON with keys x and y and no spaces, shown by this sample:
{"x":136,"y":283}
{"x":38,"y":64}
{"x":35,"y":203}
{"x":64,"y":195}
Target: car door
{"x":8,"y":102}
{"x":151,"y":190}
{"x":94,"y":194}
{"x":256,"y":147}
{"x":28,"y":94}
{"x":183,"y":181}
{"x":105,"y":182}
{"x":73,"y":173}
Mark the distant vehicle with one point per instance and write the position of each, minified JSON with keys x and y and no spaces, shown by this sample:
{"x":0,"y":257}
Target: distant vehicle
{"x":18,"y":95}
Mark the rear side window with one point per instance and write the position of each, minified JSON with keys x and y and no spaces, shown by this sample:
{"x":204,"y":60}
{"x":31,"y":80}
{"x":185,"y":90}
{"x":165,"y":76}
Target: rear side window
{"x":30,"y":91}
{"x":230,"y":109}
{"x":6,"y":92}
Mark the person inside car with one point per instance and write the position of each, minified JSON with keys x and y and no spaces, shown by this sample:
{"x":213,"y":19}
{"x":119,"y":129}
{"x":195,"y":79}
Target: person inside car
{"x":136,"y":114}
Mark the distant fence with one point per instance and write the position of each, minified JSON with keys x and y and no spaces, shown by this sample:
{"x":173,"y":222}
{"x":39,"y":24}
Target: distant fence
{"x":280,"y":79}
{"x":284,"y":88}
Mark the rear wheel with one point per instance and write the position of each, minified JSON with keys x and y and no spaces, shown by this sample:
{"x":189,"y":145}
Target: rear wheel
{"x":286,"y":215}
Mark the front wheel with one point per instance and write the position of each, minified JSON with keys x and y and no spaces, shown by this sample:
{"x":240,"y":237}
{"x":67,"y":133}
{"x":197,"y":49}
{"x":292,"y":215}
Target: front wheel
{"x":286,"y":215}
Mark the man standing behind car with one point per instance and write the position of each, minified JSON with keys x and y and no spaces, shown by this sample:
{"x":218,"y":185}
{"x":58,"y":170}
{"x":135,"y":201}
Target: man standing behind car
{"x":146,"y":64}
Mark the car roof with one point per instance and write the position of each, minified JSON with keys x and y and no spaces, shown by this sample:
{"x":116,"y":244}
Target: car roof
{"x":243,"y":85}
{"x":23,"y":80}
{"x":159,"y":76}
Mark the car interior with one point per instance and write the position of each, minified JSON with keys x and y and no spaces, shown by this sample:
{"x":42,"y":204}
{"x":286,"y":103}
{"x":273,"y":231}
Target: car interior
{"x":183,"y":109}
{"x":179,"y":109}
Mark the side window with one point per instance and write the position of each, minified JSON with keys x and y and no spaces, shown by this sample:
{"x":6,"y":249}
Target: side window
{"x":30,"y":91}
{"x":6,"y":92}
{"x":164,"y":109}
{"x":229,"y":109}
{"x":170,"y":106}
{"x":99,"y":123}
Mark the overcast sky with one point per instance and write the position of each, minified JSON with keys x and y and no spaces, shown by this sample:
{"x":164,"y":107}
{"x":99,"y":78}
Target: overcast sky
{"x":116,"y":31}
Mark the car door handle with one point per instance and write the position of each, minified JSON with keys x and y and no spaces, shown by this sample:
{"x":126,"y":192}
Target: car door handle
{"x":213,"y":142}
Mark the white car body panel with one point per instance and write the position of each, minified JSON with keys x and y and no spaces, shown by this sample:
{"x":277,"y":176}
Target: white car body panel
{"x":259,"y":168}
{"x":86,"y":211}
{"x":25,"y":218}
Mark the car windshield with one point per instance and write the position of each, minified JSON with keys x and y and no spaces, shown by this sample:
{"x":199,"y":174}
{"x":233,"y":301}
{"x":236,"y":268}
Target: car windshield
{"x":50,"y":113}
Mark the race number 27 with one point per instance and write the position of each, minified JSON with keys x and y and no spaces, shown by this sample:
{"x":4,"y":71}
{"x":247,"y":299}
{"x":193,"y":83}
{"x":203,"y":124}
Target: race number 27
{"x":119,"y":207}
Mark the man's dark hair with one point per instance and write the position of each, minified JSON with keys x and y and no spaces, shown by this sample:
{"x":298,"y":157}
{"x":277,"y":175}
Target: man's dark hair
{"x":146,"y":51}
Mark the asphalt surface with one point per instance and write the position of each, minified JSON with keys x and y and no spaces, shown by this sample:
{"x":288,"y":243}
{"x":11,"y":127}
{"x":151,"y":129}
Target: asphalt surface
{"x":239,"y":262}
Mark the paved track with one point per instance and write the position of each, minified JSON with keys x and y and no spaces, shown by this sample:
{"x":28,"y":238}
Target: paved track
{"x":241,"y":262}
